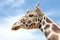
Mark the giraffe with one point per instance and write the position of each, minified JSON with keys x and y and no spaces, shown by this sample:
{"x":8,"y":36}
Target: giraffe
{"x":36,"y":19}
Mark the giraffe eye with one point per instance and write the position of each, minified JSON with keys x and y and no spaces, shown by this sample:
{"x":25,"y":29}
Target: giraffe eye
{"x":31,"y":15}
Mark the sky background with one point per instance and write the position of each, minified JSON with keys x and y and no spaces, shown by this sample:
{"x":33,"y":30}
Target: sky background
{"x":12,"y":10}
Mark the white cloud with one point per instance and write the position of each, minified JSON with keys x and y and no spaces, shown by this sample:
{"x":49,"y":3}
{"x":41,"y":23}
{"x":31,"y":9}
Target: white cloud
{"x":11,"y":7}
{"x":53,"y":13}
{"x":13,"y":3}
{"x":16,"y":2}
{"x":7,"y":34}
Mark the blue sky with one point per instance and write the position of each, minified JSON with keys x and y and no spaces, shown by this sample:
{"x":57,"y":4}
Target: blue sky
{"x":12,"y":10}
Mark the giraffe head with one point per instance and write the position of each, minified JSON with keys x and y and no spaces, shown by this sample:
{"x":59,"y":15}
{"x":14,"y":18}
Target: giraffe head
{"x":32,"y":19}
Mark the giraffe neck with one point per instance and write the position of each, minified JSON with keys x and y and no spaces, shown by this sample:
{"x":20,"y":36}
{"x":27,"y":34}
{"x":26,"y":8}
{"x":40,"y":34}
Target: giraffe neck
{"x":50,"y":29}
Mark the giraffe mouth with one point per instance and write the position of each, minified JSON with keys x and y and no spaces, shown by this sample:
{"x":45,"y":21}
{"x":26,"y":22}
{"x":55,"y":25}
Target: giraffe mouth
{"x":15,"y":28}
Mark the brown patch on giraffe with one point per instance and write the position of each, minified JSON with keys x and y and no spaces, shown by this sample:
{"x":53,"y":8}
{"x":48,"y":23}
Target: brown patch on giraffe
{"x":39,"y":26}
{"x":34,"y":20}
{"x":44,"y":18}
{"x":23,"y":21}
{"x":40,"y":20}
{"x":43,"y":22}
{"x":27,"y":26}
{"x":55,"y":28}
{"x":41,"y":29}
{"x":53,"y":37}
{"x":47,"y":26}
{"x":47,"y":33}
{"x":29,"y":22}
{"x":48,"y":21}
{"x":34,"y":25}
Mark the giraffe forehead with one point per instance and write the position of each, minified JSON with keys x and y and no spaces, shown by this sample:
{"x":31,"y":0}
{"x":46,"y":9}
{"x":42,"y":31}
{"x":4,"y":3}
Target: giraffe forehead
{"x":35,"y":14}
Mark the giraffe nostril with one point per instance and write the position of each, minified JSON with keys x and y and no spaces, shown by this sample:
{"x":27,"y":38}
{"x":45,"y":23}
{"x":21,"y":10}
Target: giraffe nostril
{"x":14,"y":23}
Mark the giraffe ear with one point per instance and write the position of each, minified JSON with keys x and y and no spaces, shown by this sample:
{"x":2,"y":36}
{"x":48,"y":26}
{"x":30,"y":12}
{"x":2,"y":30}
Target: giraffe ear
{"x":37,"y":10}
